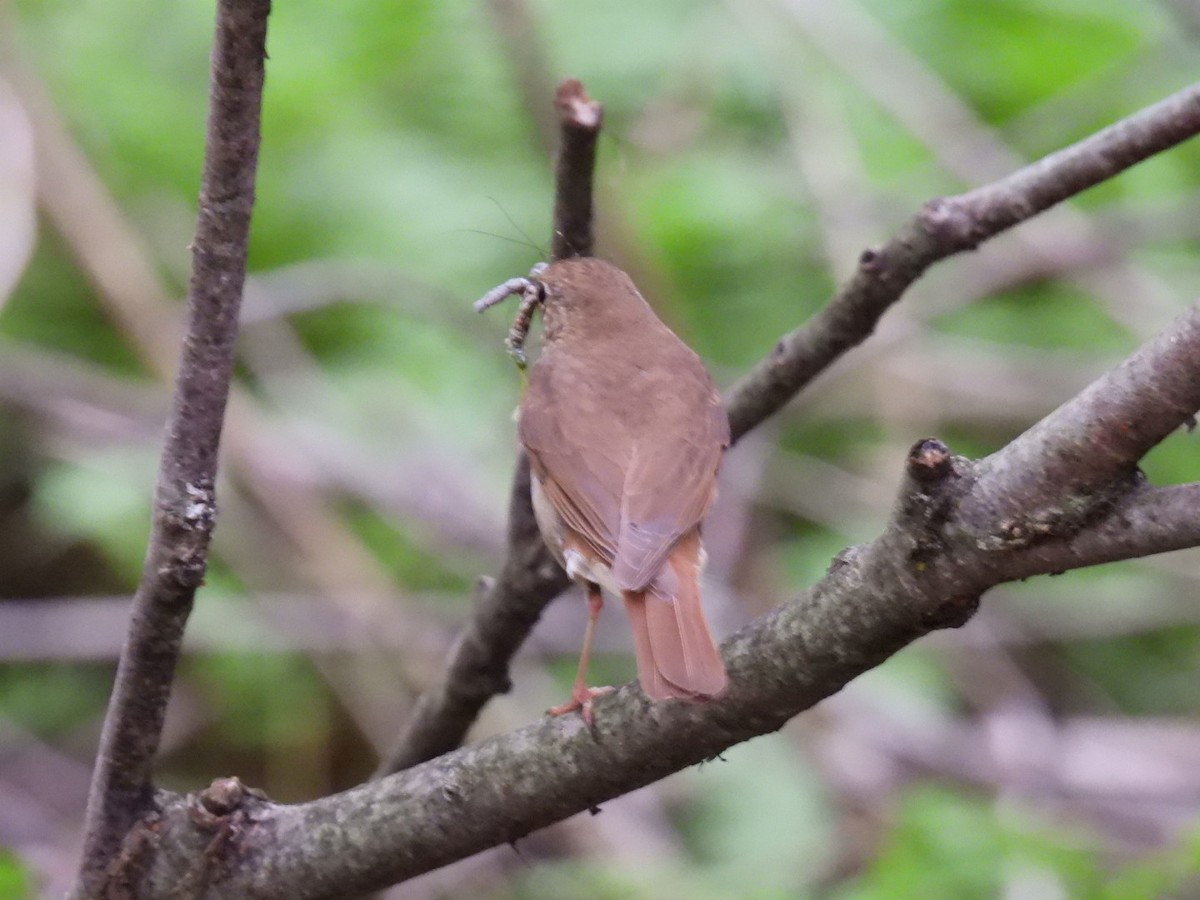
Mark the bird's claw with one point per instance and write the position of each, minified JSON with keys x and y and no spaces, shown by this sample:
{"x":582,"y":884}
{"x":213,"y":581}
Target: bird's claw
{"x":581,"y":699}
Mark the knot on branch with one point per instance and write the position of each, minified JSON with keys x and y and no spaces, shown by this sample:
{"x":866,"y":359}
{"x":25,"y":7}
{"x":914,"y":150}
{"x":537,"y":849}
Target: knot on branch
{"x":200,"y":508}
{"x":1013,"y":534}
{"x":223,"y":813}
{"x":872,"y":260}
{"x":932,"y":485}
{"x":575,"y":107}
{"x":188,"y":520}
{"x":951,"y":224}
{"x":222,"y":801}
{"x":222,"y":797}
{"x":1062,"y":520}
{"x":929,"y":461}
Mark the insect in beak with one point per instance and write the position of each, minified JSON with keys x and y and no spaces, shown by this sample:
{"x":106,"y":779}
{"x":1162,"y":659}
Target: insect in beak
{"x":532,"y":293}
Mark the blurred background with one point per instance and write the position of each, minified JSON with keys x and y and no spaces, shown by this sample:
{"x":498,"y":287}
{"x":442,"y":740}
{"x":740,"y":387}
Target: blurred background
{"x":752,"y":149}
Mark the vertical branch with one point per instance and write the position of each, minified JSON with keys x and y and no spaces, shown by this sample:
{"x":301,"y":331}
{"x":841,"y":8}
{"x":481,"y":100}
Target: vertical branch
{"x":507,"y":608}
{"x":184,"y":502}
{"x":580,"y":118}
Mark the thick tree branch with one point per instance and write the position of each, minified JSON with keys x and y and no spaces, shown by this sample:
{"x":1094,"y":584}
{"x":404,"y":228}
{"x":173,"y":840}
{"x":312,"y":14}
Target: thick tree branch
{"x":942,"y":228}
{"x":1144,"y":521}
{"x":944,"y":546}
{"x":478,"y":668}
{"x":1099,"y":436}
{"x":184,"y":504}
{"x":1068,"y":493}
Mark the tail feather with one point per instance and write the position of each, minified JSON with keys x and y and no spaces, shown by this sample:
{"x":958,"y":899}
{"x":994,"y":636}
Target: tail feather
{"x":653,"y":684}
{"x":676,"y":653}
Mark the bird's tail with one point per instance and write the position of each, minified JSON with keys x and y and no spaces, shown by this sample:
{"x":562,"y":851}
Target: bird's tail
{"x":676,"y":653}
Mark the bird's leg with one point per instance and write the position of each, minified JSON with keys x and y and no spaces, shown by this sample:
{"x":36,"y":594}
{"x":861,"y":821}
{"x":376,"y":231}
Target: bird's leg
{"x":582,"y":695}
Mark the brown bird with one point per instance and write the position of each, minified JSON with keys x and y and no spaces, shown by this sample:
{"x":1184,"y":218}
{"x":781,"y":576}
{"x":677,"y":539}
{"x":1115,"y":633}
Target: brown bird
{"x":624,"y":432}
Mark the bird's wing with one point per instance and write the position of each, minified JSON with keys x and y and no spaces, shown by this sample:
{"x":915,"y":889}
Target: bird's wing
{"x":671,"y":480}
{"x":629,"y":478}
{"x":561,"y":433}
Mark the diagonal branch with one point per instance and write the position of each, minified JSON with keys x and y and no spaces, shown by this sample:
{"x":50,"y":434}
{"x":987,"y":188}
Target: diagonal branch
{"x":1142,"y":522}
{"x":1096,"y":438}
{"x":945,"y":545}
{"x":507,"y":608}
{"x":942,"y":228}
{"x":478,"y":668}
{"x":184,"y":503}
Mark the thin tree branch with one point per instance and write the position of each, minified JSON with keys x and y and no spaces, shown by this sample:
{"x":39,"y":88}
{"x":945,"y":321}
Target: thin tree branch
{"x":580,"y":118}
{"x":478,"y":670}
{"x":184,"y":505}
{"x":974,"y":152}
{"x":507,"y":609}
{"x":944,"y":546}
{"x":942,"y":228}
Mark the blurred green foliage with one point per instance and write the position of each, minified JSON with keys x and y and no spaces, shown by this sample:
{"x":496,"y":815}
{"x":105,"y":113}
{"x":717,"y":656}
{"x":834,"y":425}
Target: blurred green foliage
{"x":15,"y":882}
{"x":952,"y":845}
{"x":396,"y":140}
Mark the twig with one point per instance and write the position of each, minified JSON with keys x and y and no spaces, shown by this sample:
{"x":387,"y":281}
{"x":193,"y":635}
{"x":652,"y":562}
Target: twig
{"x":185,"y":509}
{"x":507,"y":609}
{"x":579,"y":117}
{"x":945,"y":544}
{"x":1143,"y":522}
{"x":941,"y":229}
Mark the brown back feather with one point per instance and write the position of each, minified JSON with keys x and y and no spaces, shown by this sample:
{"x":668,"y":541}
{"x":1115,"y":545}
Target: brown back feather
{"x":621,"y":421}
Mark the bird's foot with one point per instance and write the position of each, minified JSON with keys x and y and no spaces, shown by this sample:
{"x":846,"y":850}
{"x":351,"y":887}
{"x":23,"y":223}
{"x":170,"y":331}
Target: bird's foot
{"x":581,"y":699}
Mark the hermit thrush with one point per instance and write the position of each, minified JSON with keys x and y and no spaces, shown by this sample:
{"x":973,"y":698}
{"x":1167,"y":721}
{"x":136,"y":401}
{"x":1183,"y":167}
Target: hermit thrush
{"x":624,"y":432}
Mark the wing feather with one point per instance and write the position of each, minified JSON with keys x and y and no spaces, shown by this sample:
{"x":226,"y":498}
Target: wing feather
{"x":630,"y":479}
